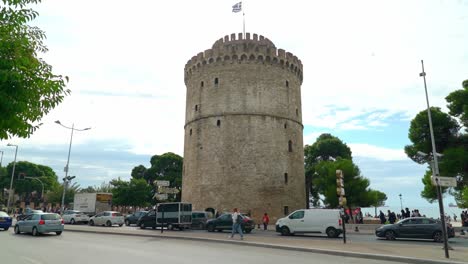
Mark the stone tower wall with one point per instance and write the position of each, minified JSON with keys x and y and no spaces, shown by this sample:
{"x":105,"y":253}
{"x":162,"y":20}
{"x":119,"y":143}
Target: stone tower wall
{"x":243,"y":108}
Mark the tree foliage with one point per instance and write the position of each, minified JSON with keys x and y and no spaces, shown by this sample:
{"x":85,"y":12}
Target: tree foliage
{"x":167,"y":166}
{"x":136,"y":192}
{"x":449,"y":141}
{"x":319,"y":165}
{"x":28,"y":88}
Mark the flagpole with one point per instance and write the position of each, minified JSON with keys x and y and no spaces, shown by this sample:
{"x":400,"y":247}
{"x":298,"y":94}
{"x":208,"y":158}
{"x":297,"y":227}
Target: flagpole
{"x":243,"y":16}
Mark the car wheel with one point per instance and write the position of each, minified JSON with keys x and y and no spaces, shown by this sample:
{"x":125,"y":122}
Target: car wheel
{"x":58,"y":233}
{"x":120,"y":225}
{"x":142,"y":225}
{"x":91,"y":222}
{"x":127,"y":223}
{"x":171,"y":227}
{"x":285,"y":231}
{"x":108,"y":223}
{"x":72,"y":221}
{"x":390,"y":235}
{"x":34,"y":232}
{"x":331,"y":232}
{"x":17,"y":231}
{"x":6,"y":228}
{"x":248,"y":231}
{"x":437,"y":236}
{"x":210,"y":228}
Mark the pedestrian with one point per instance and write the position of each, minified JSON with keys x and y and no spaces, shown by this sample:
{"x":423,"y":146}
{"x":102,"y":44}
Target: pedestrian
{"x":265,"y":220}
{"x":236,"y":224}
{"x":407,"y":213}
{"x":391,"y":217}
{"x":382,"y":218}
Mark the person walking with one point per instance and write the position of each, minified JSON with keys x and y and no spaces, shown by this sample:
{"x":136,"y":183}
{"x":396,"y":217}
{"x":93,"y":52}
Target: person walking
{"x":382,"y":217}
{"x":265,"y":220}
{"x":236,"y":224}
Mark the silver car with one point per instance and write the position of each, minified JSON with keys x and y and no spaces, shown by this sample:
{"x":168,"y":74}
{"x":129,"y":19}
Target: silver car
{"x":73,"y":217}
{"x":41,"y":223}
{"x":107,"y":218}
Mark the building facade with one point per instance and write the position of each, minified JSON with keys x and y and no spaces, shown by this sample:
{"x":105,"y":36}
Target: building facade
{"x":243,"y":128}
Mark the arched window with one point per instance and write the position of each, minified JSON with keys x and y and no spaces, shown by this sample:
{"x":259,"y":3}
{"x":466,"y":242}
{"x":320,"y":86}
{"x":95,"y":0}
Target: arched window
{"x":287,"y":84}
{"x":196,"y":107}
{"x":290,"y":146}
{"x":216,"y":82}
{"x":202,"y":84}
{"x":190,"y":131}
{"x":218,"y":123}
{"x":286,"y":210}
{"x":285,"y":125}
{"x":297,"y":112}
{"x":286,"y":178}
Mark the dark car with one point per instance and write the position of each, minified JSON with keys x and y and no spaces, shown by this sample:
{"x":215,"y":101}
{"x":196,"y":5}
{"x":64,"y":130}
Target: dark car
{"x":199,"y":219}
{"x":133,"y":218}
{"x":5,"y":220}
{"x":224,"y":222}
{"x":415,"y":227}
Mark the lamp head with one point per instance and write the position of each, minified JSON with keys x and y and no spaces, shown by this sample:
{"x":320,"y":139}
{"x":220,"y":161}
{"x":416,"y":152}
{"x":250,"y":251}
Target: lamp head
{"x":420,"y":153}
{"x":58,"y":122}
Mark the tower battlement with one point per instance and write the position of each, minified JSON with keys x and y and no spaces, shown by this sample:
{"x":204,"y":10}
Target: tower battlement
{"x":257,"y":49}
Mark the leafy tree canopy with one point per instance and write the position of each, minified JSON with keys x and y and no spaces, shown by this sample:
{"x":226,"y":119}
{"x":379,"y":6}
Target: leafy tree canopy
{"x":449,"y":142}
{"x":28,"y":88}
{"x":136,"y":192}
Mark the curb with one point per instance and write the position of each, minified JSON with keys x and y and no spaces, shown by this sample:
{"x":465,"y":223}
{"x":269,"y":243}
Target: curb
{"x":283,"y":247}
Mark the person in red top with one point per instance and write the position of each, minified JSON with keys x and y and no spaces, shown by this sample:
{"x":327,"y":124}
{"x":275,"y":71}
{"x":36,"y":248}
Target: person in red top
{"x":265,"y":221}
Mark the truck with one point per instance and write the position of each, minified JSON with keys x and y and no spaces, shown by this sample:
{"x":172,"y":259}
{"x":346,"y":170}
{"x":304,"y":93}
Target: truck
{"x":171,"y":215}
{"x":92,"y":203}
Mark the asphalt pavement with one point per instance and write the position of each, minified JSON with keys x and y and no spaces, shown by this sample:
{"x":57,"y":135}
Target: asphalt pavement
{"x":81,"y":248}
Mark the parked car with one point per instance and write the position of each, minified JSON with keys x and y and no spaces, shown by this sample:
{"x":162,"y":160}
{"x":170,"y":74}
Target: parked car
{"x":324,"y":221}
{"x":224,"y":222}
{"x":5,"y":220}
{"x":73,"y":217}
{"x":199,"y":219}
{"x":107,"y":218}
{"x":40,"y":223}
{"x":415,"y":227}
{"x":133,"y":218}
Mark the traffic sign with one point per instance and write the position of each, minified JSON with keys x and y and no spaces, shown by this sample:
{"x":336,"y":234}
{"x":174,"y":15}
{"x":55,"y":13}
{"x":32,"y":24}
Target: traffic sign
{"x":161,"y":196}
{"x":444,"y":181}
{"x":168,"y":190}
{"x":162,"y":183}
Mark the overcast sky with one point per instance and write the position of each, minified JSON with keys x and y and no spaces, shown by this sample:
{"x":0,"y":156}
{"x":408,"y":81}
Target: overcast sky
{"x":361,"y":60}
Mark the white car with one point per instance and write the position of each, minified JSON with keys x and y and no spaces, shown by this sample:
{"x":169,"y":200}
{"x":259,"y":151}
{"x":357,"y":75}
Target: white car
{"x":73,"y":217}
{"x":107,"y":218}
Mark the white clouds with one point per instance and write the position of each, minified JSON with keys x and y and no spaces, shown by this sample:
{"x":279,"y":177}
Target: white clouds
{"x":376,"y":152}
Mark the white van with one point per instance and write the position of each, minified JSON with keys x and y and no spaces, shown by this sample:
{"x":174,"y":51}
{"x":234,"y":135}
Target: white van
{"x":324,"y":221}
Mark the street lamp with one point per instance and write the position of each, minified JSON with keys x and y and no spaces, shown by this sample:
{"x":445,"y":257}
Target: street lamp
{"x":12,"y":175}
{"x":435,"y":168}
{"x":401,"y":202}
{"x":66,"y":181}
{"x":1,"y":158}
{"x":68,"y":159}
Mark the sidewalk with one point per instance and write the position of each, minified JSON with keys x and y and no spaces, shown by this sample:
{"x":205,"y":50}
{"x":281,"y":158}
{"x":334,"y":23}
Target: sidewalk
{"x":407,"y":253}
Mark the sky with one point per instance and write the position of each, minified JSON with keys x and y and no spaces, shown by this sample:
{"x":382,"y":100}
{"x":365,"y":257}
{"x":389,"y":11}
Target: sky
{"x":361,"y":59}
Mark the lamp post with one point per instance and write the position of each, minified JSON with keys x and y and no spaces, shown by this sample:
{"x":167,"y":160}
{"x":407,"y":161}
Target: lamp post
{"x":1,"y":158}
{"x":401,"y":202}
{"x":12,"y":175}
{"x":68,"y":160}
{"x":435,"y":168}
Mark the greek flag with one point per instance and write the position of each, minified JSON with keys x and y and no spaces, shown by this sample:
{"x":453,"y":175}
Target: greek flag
{"x":237,"y":7}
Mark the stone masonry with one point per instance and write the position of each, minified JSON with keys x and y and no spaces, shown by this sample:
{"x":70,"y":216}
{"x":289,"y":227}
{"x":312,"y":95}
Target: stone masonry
{"x":243,"y":129}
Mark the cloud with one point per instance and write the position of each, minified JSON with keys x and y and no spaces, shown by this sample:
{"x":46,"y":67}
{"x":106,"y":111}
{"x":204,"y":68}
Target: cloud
{"x":376,"y":152}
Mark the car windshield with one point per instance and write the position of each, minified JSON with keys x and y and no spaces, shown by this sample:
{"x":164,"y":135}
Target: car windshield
{"x":50,"y":217}
{"x":3,"y":214}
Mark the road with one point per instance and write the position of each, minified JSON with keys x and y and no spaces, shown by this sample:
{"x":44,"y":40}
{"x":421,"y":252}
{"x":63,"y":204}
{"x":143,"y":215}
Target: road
{"x":82,"y":248}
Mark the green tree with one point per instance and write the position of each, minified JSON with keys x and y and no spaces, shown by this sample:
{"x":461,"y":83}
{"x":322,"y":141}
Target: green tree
{"x":28,"y":88}
{"x":167,"y":166}
{"x":449,"y":142}
{"x":321,"y":168}
{"x":136,"y":192}
{"x":55,"y":195}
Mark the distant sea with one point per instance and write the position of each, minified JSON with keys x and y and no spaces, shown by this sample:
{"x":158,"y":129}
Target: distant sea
{"x":431,"y":211}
